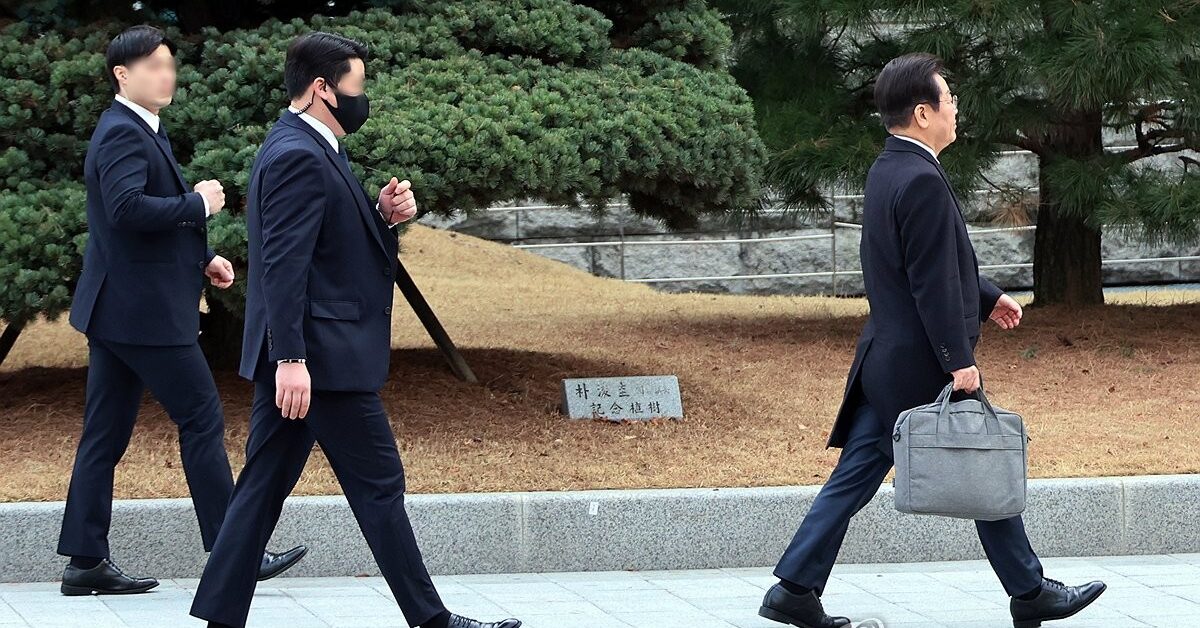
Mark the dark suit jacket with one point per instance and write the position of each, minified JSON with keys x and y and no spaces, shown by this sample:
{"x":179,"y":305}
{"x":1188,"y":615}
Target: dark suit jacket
{"x":143,"y":268}
{"x":322,"y":265}
{"x":922,"y":279}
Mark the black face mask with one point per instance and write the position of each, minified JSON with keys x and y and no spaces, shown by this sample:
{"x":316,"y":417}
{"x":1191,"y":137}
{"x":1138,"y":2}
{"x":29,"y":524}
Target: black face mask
{"x":351,"y":112}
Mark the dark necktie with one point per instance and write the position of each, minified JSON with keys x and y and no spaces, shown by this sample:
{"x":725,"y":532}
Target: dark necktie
{"x":342,"y":152}
{"x":162,"y":133}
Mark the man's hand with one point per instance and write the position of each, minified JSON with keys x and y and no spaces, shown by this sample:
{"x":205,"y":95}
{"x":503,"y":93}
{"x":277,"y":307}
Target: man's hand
{"x":966,"y":379}
{"x":396,"y":201}
{"x":219,"y":272}
{"x":1007,"y":313}
{"x":211,"y":189}
{"x":293,"y":389}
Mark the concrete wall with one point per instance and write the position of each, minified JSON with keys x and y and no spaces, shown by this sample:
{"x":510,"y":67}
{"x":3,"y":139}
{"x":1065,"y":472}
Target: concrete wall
{"x":1018,"y":169}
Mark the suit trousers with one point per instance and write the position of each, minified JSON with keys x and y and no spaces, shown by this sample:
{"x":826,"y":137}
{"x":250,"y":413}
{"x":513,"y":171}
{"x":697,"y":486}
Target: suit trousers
{"x":808,"y":560}
{"x":353,"y":430}
{"x":180,"y":379}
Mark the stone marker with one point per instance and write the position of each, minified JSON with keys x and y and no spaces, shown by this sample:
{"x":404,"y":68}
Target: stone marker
{"x":634,"y":398}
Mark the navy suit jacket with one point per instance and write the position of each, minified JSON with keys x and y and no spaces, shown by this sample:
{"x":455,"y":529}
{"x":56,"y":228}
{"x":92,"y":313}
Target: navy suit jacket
{"x":143,"y":268}
{"x":927,"y":299}
{"x":322,"y":265}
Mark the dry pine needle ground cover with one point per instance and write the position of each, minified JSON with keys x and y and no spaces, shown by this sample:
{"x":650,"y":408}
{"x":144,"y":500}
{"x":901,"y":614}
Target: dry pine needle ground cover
{"x":1105,"y":391}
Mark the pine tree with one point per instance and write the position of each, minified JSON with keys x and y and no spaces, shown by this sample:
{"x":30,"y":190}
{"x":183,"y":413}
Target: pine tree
{"x":1054,"y":77}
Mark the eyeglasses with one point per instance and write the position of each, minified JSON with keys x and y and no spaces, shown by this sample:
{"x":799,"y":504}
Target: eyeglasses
{"x":953,"y":100}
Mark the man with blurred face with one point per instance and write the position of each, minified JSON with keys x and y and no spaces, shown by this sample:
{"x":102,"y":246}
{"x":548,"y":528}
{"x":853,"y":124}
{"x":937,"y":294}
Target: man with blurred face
{"x":322,"y":263}
{"x":137,"y":301}
{"x":927,"y":302}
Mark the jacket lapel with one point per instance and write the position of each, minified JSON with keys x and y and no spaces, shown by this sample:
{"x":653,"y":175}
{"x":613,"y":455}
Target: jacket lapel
{"x":953,"y":194}
{"x":343,"y":168}
{"x":163,"y":146}
{"x":894,"y":143}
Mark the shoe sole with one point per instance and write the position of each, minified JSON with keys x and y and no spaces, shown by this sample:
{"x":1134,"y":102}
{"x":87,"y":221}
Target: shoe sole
{"x":286,"y":567}
{"x":1035,"y":623}
{"x":70,"y":589}
{"x":775,"y":615}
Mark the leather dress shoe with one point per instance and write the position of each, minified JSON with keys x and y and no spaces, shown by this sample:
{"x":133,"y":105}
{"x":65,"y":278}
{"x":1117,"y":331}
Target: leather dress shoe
{"x":1056,"y":601}
{"x":274,"y":564}
{"x":804,"y":611}
{"x":457,"y":621}
{"x":103,"y":579}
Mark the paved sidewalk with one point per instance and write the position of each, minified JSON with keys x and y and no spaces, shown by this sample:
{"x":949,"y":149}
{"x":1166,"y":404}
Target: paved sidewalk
{"x":1143,"y":591}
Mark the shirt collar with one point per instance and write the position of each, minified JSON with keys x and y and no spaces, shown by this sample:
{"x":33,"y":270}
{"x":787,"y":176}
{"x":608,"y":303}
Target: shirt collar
{"x":921,"y":144}
{"x":321,"y":127}
{"x":144,"y":113}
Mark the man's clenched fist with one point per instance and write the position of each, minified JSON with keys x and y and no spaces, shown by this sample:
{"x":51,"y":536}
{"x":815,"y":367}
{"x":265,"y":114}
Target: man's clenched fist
{"x":219,"y":272}
{"x":966,"y":379}
{"x":212,"y":191}
{"x":396,"y":201}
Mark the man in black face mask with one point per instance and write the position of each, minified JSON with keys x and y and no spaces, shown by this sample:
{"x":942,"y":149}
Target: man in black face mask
{"x":322,"y":258}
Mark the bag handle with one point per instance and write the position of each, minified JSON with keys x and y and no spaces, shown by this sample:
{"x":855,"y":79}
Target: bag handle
{"x":991,"y":422}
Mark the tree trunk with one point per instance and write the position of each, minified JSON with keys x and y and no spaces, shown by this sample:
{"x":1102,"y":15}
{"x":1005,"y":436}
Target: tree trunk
{"x":1066,"y":254}
{"x":1066,"y":250}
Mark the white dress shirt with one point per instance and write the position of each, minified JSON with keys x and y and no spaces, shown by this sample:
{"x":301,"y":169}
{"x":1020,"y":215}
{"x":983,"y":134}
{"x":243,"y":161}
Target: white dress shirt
{"x":152,"y":120}
{"x":921,"y":144}
{"x":327,"y":133}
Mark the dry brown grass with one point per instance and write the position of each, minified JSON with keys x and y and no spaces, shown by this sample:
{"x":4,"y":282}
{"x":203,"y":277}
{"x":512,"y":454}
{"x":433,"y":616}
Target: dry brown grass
{"x":1109,"y":391}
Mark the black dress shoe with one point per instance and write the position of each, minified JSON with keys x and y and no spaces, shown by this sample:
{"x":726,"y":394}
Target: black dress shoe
{"x":457,"y":621}
{"x":804,"y":611}
{"x":103,"y":579}
{"x":1056,"y":601}
{"x":274,"y":564}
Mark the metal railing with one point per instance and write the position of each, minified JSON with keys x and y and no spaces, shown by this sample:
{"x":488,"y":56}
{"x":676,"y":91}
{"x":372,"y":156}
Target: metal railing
{"x":623,"y":244}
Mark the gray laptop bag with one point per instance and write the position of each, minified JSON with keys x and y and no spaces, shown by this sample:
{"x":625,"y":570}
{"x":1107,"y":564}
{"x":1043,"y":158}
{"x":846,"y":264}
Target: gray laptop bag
{"x":964,"y":459}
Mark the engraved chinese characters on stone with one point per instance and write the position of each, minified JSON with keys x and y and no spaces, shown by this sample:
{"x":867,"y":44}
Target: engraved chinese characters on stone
{"x":634,"y":398}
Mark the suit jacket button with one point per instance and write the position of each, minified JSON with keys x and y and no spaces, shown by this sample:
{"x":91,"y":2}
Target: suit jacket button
{"x":388,"y":310}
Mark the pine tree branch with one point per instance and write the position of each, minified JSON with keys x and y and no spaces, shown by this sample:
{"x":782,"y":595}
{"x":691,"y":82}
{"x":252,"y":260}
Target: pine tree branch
{"x":1024,"y":143}
{"x":1148,"y":141}
{"x":1134,"y":154}
{"x":837,"y":39}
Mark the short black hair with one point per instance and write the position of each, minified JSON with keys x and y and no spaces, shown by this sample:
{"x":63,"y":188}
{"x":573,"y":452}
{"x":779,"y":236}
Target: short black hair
{"x":319,"y":54}
{"x":904,"y":83}
{"x":132,"y":44}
